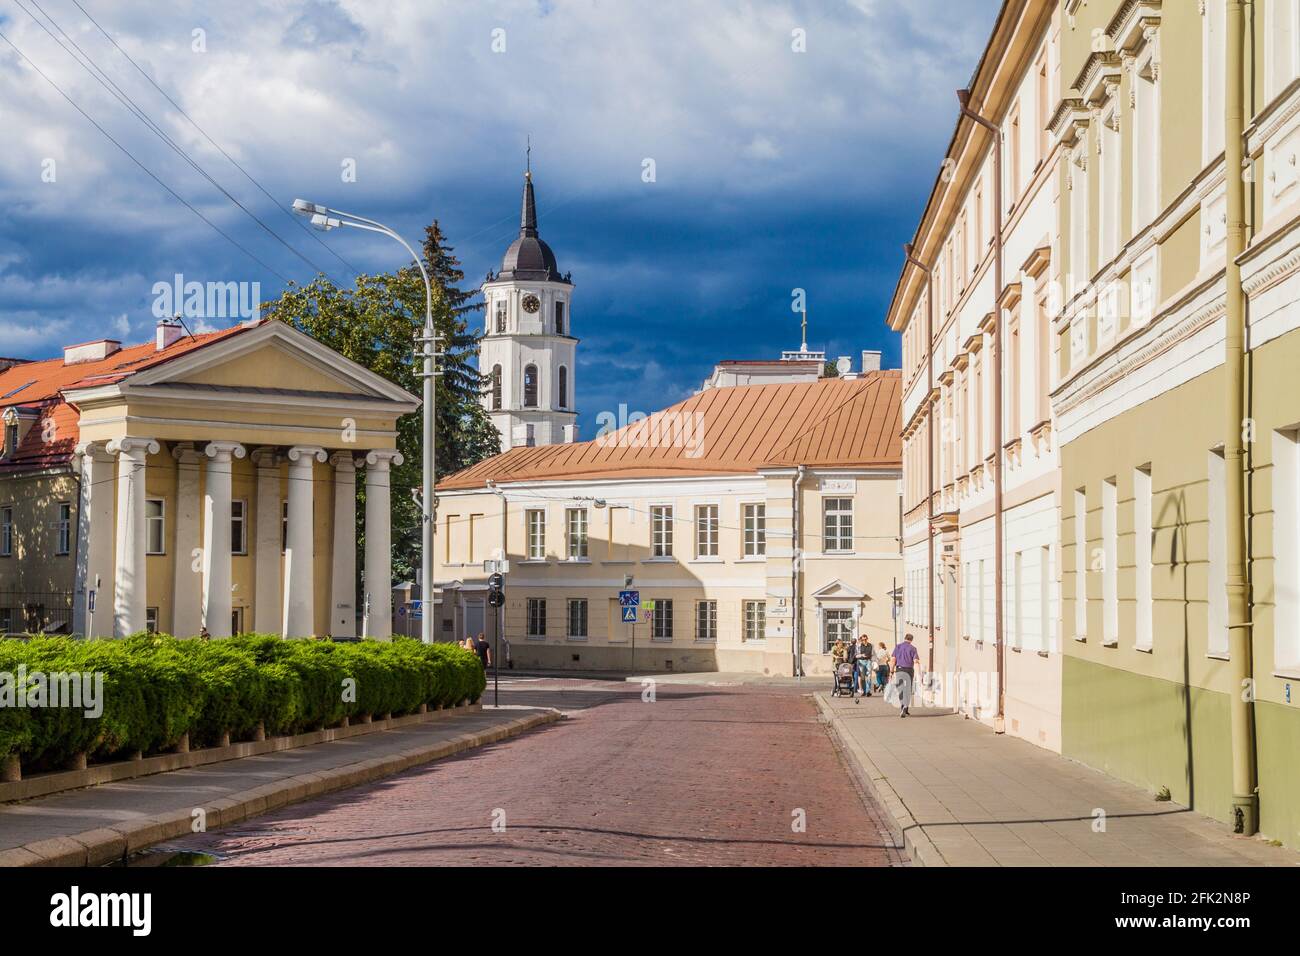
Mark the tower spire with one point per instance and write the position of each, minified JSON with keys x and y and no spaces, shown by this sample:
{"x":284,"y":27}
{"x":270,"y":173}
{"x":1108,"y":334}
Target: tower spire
{"x":804,"y":327}
{"x":528,"y":218}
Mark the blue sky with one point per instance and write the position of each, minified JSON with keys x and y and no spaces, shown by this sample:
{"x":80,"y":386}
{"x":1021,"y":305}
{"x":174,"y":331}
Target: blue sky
{"x":774,"y":169}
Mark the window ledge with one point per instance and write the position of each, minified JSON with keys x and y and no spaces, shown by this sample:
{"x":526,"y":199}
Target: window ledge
{"x":531,"y":561}
{"x":1142,"y":650}
{"x":753,"y":559}
{"x":706,"y":560}
{"x":1081,"y":638}
{"x":706,"y":640}
{"x":838,"y":554}
{"x":576,"y":561}
{"x":625,"y":561}
{"x":661,"y":640}
{"x":535,"y":637}
{"x":1218,"y":657}
{"x":664,"y":560}
{"x":1112,"y":642}
{"x":1287,"y":673}
{"x":575,"y":638}
{"x":1044,"y":654}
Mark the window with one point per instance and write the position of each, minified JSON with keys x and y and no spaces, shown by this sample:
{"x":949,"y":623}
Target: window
{"x":530,"y":386}
{"x":1017,"y":600}
{"x":1045,"y":616}
{"x":564,"y":387}
{"x":706,"y":620}
{"x":151,"y":620}
{"x":6,"y":621}
{"x":238,"y":526}
{"x":530,"y":435}
{"x":1080,"y":564}
{"x":1042,"y":371}
{"x":1013,"y":160}
{"x":155,"y":526}
{"x":1014,"y":395}
{"x":496,"y":388}
{"x":981,"y":628}
{"x":837,"y":516}
{"x":1043,"y":106}
{"x":838,"y":627}
{"x":284,"y":529}
{"x":1142,"y":546}
{"x":661,"y":620}
{"x":755,"y":530}
{"x":501,"y":316}
{"x":1078,"y":184}
{"x":536,"y":523}
{"x":661,"y":531}
{"x":65,"y":528}
{"x":1110,"y":186}
{"x":1146,"y":145}
{"x":575,"y":520}
{"x":11,"y":439}
{"x":6,"y":532}
{"x":559,"y":317}
{"x":755,"y":614}
{"x":706,"y":531}
{"x":1286,"y":548}
{"x":1282,"y":56}
{"x":1217,"y":616}
{"x":577,"y":619}
{"x":1212,"y":125}
{"x":537,"y":617}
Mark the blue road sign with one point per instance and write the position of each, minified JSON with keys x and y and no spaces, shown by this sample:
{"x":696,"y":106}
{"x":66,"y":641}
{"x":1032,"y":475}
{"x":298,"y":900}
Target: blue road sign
{"x":416,"y":609}
{"x":629,"y":599}
{"x":629,"y":615}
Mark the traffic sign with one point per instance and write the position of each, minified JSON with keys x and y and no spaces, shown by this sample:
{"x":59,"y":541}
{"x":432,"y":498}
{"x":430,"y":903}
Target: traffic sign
{"x":629,"y":598}
{"x":648,"y":606}
{"x":629,"y":615}
{"x":417,"y":609}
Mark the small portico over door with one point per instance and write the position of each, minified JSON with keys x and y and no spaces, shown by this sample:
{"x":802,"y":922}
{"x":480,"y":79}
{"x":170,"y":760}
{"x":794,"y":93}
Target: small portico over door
{"x":839,"y":609}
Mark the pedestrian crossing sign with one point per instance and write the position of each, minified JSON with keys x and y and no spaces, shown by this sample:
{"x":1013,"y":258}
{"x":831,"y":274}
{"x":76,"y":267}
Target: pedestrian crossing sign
{"x":629,"y":615}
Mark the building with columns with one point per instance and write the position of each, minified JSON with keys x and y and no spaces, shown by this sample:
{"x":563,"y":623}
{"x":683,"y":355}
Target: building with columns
{"x":197,"y":482}
{"x":528,"y":351}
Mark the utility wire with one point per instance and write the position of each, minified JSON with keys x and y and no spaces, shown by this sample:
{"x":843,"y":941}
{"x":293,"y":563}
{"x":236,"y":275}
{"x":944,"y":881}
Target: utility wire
{"x":177,"y":196}
{"x":247,"y":175}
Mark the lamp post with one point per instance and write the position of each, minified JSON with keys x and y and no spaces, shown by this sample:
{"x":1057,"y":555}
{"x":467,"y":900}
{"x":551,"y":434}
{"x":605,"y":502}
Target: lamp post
{"x":325,"y":219}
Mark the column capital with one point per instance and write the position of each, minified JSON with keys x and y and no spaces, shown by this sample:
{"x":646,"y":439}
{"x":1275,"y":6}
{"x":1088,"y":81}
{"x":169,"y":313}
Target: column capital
{"x":186,"y":453}
{"x":223,"y":451}
{"x":298,"y":452}
{"x":343,"y":460}
{"x":128,"y":445}
{"x":92,"y":449}
{"x":380,"y":458}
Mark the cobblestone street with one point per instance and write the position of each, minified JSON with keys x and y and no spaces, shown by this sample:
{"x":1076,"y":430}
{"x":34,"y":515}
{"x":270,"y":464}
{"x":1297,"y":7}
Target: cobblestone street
{"x":704,"y":775}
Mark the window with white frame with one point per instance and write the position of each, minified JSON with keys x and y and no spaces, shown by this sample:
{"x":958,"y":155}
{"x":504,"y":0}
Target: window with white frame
{"x":837,"y":625}
{"x":706,"y":620}
{"x":576,"y":523}
{"x":239,"y":526}
{"x":1046,"y":618}
{"x":1109,"y":185}
{"x":151,"y":620}
{"x":536,"y":524}
{"x":1110,"y":561}
{"x":577,"y":629}
{"x":754,"y":518}
{"x":11,"y":439}
{"x":64,"y":545}
{"x":6,"y":532}
{"x":155,"y":526}
{"x":1217,"y":609}
{"x":500,"y":316}
{"x":706,"y":531}
{"x":755,"y":614}
{"x":536,"y":617}
{"x":837,"y":524}
{"x":1213,"y":16}
{"x":559,"y":317}
{"x":661,"y":620}
{"x":1080,"y":564}
{"x":661,"y":531}
{"x":284,"y":528}
{"x":1282,"y":52}
{"x":1078,"y":185}
{"x":1142,"y":563}
{"x":1286,"y":548}
{"x":1146,"y":143}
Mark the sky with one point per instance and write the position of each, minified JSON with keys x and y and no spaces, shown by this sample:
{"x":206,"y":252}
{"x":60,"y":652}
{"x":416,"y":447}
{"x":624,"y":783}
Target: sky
{"x":695,"y":163}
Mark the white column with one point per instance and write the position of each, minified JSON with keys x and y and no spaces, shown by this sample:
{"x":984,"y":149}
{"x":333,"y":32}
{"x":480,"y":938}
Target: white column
{"x":343,"y":580}
{"x":187,"y":588}
{"x":129,"y":591}
{"x":299,"y":594}
{"x":377,"y":586}
{"x":94,"y":568}
{"x":267,"y":608}
{"x":216,"y":535}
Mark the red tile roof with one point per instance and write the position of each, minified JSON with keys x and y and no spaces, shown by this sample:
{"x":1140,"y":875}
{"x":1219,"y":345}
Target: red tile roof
{"x":829,"y":423}
{"x":39,"y":386}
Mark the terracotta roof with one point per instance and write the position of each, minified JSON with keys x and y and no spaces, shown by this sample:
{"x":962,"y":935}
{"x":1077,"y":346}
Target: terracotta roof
{"x":40,"y":386}
{"x":797,"y":363}
{"x":827,"y":423}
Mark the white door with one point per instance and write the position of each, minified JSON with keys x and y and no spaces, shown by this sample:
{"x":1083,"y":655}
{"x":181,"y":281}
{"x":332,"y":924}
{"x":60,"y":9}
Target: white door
{"x":473,"y":618}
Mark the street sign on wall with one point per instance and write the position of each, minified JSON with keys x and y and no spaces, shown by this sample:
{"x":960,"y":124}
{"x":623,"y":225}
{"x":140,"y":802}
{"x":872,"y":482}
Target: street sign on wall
{"x":629,"y":615}
{"x":629,"y":598}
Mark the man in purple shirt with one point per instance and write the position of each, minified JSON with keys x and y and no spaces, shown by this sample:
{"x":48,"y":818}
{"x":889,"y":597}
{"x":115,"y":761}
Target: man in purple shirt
{"x":904,"y":658}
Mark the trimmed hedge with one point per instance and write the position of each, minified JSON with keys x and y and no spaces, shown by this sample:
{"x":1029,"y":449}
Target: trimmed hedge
{"x":157,"y":689}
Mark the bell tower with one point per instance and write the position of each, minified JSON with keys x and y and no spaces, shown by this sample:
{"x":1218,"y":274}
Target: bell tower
{"x":528,"y":349}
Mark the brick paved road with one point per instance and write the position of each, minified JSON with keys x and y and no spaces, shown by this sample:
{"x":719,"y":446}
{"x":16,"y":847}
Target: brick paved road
{"x":704,"y":775}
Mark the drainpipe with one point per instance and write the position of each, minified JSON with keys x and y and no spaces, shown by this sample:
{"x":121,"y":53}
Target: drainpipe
{"x":1240,"y":642}
{"x":963,"y":97}
{"x":796,"y":601}
{"x":929,"y":437}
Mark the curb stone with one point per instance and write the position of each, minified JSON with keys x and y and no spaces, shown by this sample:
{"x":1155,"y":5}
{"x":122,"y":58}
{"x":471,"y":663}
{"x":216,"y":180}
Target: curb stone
{"x":109,"y":844}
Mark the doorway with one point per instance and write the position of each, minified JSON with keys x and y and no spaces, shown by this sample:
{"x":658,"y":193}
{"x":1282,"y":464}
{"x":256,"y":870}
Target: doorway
{"x":473,"y":618}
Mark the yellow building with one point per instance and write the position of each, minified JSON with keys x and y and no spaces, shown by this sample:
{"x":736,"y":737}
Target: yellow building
{"x":196,"y":482}
{"x":760,"y":520}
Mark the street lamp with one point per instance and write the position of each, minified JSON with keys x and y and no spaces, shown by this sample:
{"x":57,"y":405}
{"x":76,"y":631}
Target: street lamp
{"x":325,"y":219}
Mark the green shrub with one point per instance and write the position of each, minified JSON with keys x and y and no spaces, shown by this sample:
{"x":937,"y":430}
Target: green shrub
{"x":156,"y":689}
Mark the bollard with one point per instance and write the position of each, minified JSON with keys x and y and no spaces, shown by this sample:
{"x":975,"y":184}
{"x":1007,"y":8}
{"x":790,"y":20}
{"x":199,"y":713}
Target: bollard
{"x":260,"y":733}
{"x":11,"y":770}
{"x":182,"y":745}
{"x":78,"y":761}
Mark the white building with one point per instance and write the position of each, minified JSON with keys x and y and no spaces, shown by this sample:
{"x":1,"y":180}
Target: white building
{"x":527,"y":350}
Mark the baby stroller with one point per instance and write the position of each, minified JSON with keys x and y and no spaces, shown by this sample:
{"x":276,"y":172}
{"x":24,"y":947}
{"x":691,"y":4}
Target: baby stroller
{"x":844,"y":682}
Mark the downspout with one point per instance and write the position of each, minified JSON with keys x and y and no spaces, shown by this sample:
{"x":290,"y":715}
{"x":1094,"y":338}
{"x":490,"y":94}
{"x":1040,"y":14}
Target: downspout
{"x":929,"y":438}
{"x":1240,"y":642}
{"x":796,"y":598}
{"x":963,"y":97}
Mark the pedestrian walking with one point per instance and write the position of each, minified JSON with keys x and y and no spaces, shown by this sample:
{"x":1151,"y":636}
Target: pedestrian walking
{"x":882,"y":667}
{"x":484,"y":651}
{"x":862,"y":660}
{"x":904,"y":661}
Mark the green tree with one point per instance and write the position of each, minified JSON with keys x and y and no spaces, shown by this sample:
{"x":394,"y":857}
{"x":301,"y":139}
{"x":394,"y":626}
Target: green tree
{"x":375,"y":324}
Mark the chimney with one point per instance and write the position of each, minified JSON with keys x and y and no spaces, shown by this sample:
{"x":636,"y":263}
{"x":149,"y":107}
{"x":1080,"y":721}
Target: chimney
{"x":90,"y":351}
{"x":169,"y":331}
{"x":870,"y":360}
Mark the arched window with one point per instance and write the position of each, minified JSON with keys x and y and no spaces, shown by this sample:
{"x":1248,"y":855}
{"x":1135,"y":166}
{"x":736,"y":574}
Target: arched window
{"x":501,"y":316}
{"x":530,"y":386}
{"x":559,"y":317}
{"x":496,"y":388}
{"x":564,"y":387}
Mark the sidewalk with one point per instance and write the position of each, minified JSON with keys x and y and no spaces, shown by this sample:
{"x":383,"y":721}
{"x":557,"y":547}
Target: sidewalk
{"x":961,"y":795}
{"x":100,"y":824}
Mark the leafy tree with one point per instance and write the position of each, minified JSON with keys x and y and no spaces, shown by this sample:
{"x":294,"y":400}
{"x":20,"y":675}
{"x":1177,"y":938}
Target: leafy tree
{"x":829,"y":370}
{"x":375,"y":324}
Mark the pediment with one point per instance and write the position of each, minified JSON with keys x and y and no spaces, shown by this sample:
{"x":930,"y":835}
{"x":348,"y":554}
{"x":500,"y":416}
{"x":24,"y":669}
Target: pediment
{"x":838,"y":590}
